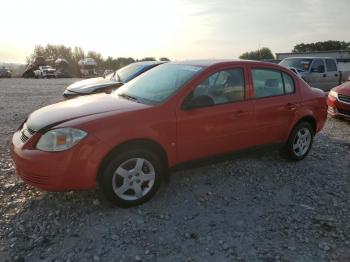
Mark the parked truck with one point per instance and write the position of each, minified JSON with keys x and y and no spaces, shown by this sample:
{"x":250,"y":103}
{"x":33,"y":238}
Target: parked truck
{"x":319,"y":72}
{"x":45,"y":72}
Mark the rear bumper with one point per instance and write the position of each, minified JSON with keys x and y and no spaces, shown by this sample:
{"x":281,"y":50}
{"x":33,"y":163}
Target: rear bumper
{"x":72,"y":169}
{"x":337,"y":108}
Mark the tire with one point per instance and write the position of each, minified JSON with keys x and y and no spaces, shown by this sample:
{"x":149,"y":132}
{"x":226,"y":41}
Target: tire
{"x":300,"y":141}
{"x":137,"y":181}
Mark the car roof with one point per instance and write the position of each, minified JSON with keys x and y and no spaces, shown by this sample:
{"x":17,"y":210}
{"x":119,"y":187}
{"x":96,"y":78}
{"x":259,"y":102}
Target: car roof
{"x":211,"y":62}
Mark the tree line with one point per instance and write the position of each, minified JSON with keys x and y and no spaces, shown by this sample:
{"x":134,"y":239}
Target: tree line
{"x":73,"y":55}
{"x":330,"y":45}
{"x":322,"y":46}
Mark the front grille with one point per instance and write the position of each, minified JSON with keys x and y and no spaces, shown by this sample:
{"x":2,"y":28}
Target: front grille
{"x":26,"y":133}
{"x":344,"y":112}
{"x":24,"y":138}
{"x":31,"y":131}
{"x":344,"y":98}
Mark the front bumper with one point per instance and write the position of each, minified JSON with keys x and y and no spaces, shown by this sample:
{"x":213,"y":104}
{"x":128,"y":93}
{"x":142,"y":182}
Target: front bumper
{"x":70,"y":94}
{"x":49,"y":75}
{"x":72,"y":169}
{"x":338,"y":108}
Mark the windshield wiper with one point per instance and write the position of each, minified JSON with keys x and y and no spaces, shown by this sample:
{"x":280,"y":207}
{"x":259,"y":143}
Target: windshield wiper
{"x":132,"y":98}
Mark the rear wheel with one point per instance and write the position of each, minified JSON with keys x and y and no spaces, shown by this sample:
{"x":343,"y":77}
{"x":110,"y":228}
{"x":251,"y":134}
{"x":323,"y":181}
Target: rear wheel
{"x":132,"y":177}
{"x":300,"y":141}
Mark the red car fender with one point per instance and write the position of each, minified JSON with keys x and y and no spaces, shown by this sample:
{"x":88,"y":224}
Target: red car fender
{"x":163,"y":134}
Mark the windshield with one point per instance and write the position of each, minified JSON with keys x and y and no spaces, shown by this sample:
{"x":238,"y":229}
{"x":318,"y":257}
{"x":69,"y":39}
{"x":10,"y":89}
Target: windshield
{"x":123,"y":74}
{"x":300,"y":64}
{"x":156,"y":85}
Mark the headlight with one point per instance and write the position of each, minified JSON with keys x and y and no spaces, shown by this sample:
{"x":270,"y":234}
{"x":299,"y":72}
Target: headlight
{"x":60,"y":139}
{"x":68,"y":92}
{"x":333,"y":93}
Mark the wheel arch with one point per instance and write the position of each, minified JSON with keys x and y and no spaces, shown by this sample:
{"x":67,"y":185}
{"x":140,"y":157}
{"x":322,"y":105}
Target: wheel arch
{"x":309,"y":119}
{"x":143,"y":143}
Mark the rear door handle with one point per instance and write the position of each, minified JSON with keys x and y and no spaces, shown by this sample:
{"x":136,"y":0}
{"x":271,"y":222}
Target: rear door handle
{"x":291,"y":106}
{"x":324,"y":75}
{"x":336,"y":75}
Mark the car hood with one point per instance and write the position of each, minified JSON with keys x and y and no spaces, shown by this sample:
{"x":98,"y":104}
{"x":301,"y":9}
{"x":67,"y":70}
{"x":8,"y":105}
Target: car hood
{"x":343,"y":88}
{"x":90,"y":85}
{"x":83,"y":106}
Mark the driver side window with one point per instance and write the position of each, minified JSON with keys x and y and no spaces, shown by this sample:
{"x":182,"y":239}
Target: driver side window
{"x":222,"y":87}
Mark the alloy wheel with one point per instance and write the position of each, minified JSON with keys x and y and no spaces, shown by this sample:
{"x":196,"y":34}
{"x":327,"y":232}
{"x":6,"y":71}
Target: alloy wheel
{"x":133,"y":179}
{"x":302,"y":142}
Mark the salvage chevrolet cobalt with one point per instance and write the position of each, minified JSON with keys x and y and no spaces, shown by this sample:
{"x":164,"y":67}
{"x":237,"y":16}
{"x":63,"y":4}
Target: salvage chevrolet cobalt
{"x":126,"y":141}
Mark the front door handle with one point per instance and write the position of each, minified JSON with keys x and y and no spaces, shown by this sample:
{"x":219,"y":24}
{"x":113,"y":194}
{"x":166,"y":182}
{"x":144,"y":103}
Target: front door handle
{"x":240,"y":113}
{"x":324,"y":75}
{"x":336,"y":75}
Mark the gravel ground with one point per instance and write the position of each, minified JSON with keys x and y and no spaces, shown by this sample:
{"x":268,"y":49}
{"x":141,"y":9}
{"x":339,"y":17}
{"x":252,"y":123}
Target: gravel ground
{"x":255,"y":207}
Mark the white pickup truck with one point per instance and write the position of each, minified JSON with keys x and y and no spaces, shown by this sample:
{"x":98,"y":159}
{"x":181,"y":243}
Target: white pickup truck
{"x":45,"y":72}
{"x":319,"y":72}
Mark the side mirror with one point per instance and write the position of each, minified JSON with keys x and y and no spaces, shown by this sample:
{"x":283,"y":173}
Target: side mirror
{"x":197,"y":102}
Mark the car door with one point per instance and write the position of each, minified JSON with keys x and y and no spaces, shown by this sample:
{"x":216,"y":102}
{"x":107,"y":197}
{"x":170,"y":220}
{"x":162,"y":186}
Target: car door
{"x":275,"y":104}
{"x":215,"y":117}
{"x":317,"y":75}
{"x":332,"y":74}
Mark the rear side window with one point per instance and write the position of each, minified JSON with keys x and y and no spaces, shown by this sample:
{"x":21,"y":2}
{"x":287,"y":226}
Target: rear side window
{"x":331,"y":66}
{"x":269,"y":82}
{"x":317,"y":66}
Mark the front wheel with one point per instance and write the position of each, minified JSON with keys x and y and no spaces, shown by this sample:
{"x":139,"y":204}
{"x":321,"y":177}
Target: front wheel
{"x":131,"y":178}
{"x":300,"y":141}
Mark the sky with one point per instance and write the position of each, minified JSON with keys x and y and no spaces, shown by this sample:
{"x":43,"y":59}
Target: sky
{"x":177,"y":29}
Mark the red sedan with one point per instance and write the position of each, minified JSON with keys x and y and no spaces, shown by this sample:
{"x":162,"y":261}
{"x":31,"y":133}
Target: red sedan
{"x":177,"y":112}
{"x":339,"y":101}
